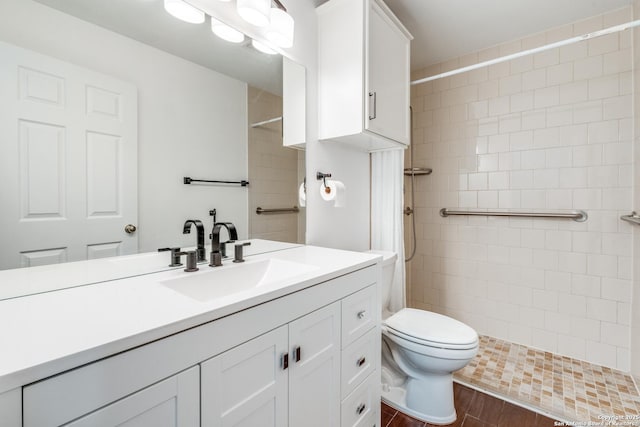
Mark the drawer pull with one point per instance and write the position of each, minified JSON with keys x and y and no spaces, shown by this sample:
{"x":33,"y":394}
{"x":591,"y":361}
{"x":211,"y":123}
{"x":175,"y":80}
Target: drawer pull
{"x":361,"y":314}
{"x":361,"y":361}
{"x":296,"y":354}
{"x":285,"y":361}
{"x":360,"y":409}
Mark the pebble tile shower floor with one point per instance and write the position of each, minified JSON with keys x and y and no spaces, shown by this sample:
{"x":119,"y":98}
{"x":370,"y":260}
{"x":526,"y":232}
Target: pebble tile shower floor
{"x":565,"y":388}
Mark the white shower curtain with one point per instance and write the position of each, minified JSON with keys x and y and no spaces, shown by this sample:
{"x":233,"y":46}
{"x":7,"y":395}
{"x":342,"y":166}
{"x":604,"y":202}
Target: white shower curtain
{"x":387,"y":231}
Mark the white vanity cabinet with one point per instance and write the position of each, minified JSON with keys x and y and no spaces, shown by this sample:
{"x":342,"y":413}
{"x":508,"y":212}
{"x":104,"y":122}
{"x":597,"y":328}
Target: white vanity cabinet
{"x":289,"y":376}
{"x":231,"y":370}
{"x":11,"y":408}
{"x":247,"y":385}
{"x":96,"y":395}
{"x":363,"y":75}
{"x":170,"y":403}
{"x":360,"y":380}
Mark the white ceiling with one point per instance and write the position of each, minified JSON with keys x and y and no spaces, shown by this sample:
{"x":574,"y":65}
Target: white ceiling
{"x":442,"y":29}
{"x":446,"y":29}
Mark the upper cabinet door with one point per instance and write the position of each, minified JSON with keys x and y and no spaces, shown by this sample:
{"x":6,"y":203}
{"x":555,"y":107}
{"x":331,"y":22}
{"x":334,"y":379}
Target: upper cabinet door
{"x":363,"y":75}
{"x":388,"y":77}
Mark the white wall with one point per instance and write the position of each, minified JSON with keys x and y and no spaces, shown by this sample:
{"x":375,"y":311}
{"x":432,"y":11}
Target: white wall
{"x":346,"y":227}
{"x":552,"y":131}
{"x":192,"y":121}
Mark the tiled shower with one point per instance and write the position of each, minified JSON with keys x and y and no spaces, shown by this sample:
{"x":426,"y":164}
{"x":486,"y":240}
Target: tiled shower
{"x":550,"y":131}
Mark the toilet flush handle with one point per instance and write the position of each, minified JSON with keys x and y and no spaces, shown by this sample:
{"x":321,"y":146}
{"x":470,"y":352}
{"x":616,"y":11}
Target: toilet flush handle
{"x":361,"y":314}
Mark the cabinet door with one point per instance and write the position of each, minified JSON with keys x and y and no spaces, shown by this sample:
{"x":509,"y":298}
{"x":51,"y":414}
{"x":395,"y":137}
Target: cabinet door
{"x":174,"y":402}
{"x":247,"y":385}
{"x":387,"y":91}
{"x":314,"y":374}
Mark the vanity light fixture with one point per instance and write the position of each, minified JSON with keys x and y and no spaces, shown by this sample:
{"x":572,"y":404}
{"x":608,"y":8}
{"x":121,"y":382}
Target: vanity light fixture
{"x":280,"y":31}
{"x":184,"y":11}
{"x":225,"y":32}
{"x":262,"y":47}
{"x":256,"y":12}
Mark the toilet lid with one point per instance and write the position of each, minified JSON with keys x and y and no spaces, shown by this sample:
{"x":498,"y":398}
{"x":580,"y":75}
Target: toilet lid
{"x":431,"y":328}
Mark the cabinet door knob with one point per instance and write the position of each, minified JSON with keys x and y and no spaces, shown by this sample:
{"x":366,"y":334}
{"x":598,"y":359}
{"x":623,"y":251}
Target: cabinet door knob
{"x":360,"y":409}
{"x":361,"y":361}
{"x":361,"y":314}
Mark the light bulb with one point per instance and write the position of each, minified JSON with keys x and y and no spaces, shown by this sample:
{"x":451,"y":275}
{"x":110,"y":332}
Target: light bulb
{"x":225,"y":32}
{"x":255,"y":12}
{"x":184,"y":11}
{"x":280,"y":31}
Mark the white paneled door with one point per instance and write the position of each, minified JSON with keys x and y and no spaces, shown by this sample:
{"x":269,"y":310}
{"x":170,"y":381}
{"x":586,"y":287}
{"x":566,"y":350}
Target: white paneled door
{"x":68,"y":161}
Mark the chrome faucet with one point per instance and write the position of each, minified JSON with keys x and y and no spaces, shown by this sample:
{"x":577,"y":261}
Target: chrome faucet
{"x":218,"y":250}
{"x":186,"y":229}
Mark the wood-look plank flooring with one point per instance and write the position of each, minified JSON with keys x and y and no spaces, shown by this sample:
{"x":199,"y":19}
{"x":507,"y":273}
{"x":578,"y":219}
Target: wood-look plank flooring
{"x":475,"y":409}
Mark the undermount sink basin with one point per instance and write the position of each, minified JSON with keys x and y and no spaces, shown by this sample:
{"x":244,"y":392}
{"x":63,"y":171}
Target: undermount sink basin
{"x":210,"y":283}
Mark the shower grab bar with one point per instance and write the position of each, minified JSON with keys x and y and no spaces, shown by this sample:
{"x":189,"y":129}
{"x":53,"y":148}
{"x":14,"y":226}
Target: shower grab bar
{"x":417,"y":171}
{"x":579,"y":216}
{"x":266,"y":122}
{"x":634,"y":218}
{"x":260,"y":210}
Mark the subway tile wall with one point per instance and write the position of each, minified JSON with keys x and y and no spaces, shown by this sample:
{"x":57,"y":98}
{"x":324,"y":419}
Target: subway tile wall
{"x":550,"y":131}
{"x":635,"y":320}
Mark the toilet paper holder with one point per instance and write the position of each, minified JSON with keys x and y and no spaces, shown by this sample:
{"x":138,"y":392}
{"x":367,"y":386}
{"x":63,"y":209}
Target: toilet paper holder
{"x":320,"y":176}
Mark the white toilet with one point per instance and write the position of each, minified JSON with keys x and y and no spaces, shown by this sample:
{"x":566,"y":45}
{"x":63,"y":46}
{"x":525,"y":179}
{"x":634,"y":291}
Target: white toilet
{"x":420,"y":352}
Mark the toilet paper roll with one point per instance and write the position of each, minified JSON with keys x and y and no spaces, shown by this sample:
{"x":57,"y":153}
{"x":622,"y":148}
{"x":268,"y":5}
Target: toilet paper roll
{"x":333,"y":191}
{"x":302,"y":196}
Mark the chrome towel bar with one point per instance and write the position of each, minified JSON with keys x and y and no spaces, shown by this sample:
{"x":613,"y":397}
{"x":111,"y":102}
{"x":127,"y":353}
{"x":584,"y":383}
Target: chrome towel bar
{"x":634,"y":218}
{"x":579,"y":216}
{"x":294,"y":209}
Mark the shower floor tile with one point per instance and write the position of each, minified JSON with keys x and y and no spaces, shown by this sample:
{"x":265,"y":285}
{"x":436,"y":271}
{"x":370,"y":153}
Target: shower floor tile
{"x":565,"y":388}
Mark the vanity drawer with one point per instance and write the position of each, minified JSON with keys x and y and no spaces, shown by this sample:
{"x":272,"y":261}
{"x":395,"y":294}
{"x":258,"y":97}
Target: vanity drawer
{"x":360,"y":312}
{"x":362,"y":405}
{"x":373,"y":420}
{"x":358,"y":361}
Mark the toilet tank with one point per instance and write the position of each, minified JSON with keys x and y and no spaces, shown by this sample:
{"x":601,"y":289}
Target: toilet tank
{"x":388,"y":269}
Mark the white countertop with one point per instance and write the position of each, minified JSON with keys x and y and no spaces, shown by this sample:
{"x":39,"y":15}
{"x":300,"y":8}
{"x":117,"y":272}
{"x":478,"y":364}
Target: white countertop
{"x":51,"y":332}
{"x":34,"y":280}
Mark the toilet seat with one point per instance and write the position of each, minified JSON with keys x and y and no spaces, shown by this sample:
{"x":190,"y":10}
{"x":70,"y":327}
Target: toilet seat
{"x":431,"y":330}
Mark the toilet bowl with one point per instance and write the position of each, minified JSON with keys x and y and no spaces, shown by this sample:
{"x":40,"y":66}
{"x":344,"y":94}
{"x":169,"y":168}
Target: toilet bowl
{"x":420,"y":352}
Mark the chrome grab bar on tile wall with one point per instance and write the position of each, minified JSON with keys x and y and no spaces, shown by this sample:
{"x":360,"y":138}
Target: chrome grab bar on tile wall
{"x":579,"y":216}
{"x":260,"y":210}
{"x":634,"y":218}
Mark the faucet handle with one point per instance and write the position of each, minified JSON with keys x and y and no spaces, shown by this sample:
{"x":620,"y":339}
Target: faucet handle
{"x":192,"y":261}
{"x":175,"y":257}
{"x":216,"y":259}
{"x":238,"y":251}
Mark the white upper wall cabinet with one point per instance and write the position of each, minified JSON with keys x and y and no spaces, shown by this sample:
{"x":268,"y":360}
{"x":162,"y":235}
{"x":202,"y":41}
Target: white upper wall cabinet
{"x":363,"y":75}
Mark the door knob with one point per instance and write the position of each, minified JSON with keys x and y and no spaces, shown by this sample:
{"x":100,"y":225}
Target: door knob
{"x":130,"y":228}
